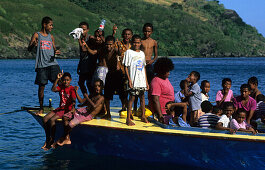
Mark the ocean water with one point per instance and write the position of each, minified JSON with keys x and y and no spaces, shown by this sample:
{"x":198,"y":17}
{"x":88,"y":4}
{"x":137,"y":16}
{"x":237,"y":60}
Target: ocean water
{"x":21,"y":137}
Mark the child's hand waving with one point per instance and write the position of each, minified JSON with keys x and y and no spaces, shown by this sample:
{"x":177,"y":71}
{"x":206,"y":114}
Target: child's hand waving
{"x":60,"y":75}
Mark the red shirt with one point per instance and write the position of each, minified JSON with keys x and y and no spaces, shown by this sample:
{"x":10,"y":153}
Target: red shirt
{"x":164,"y":90}
{"x":67,"y":96}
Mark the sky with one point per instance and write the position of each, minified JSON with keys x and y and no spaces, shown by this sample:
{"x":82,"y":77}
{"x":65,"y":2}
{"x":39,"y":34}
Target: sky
{"x":251,"y":11}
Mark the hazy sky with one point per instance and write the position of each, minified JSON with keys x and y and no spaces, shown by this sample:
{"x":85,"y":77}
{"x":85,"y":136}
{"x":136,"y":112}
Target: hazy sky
{"x":251,"y":11}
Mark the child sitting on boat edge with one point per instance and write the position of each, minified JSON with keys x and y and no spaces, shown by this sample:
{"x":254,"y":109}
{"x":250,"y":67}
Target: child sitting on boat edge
{"x":67,"y":103}
{"x":95,"y":105}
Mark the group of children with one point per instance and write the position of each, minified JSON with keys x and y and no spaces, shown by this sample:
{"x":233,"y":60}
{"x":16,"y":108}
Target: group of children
{"x":126,"y":68}
{"x":230,"y":113}
{"x":121,"y":67}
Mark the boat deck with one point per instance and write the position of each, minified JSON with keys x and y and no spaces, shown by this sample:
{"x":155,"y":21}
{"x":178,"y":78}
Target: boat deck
{"x":119,"y":123}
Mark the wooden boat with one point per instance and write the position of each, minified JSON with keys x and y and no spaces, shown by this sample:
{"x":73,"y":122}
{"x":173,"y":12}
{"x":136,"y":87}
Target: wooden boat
{"x":154,"y":142}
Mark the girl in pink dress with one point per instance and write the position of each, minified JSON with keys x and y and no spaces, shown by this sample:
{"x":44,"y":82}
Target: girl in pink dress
{"x":239,"y":122}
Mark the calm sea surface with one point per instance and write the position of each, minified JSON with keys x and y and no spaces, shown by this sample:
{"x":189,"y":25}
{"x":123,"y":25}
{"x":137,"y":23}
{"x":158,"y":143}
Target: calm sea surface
{"x":21,"y":136}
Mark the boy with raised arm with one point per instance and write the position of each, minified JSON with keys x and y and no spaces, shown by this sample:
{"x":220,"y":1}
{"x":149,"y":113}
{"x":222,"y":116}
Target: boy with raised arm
{"x":46,"y":65}
{"x":149,"y":47}
{"x":95,"y":105}
{"x":114,"y":77}
{"x":122,"y":46}
{"x":88,"y":59}
{"x":134,"y":61}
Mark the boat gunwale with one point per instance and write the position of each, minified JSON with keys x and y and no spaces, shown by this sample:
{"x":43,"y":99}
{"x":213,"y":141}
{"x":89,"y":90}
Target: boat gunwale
{"x":196,"y":134}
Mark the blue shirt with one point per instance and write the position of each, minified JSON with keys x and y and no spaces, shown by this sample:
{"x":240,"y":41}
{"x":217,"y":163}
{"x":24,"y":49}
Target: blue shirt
{"x":178,"y":97}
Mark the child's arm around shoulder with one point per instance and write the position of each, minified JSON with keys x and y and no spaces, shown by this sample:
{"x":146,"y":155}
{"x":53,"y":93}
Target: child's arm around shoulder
{"x":54,"y":86}
{"x":33,"y":42}
{"x":80,"y":100}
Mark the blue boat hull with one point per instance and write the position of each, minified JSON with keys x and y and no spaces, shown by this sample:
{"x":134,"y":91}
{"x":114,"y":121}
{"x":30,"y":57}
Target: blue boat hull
{"x":193,"y":151}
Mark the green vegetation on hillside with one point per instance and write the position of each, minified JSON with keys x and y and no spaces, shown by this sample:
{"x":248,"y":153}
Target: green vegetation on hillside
{"x":19,"y":19}
{"x":182,"y":27}
{"x":185,"y":28}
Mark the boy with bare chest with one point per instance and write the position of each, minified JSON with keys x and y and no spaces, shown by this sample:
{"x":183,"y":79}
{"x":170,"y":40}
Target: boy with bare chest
{"x":149,"y":47}
{"x":114,"y":78}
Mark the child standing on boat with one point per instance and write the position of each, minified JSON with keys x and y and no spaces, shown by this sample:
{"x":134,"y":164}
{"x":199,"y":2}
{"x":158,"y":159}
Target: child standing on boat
{"x":226,"y":94}
{"x":114,"y":78}
{"x":194,"y":94}
{"x":95,"y":105}
{"x":122,"y":47}
{"x":88,"y":58}
{"x":205,"y":86}
{"x":46,"y":65}
{"x":67,"y":103}
{"x":134,"y":62}
{"x":149,"y":47}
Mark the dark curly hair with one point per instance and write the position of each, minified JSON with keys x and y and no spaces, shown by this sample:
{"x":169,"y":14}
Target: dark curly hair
{"x":163,"y":65}
{"x":245,"y":86}
{"x":124,"y":31}
{"x":66,"y":74}
{"x":253,"y":80}
{"x":226,"y":80}
{"x":148,"y":25}
{"x":206,"y":106}
{"x":84,"y":23}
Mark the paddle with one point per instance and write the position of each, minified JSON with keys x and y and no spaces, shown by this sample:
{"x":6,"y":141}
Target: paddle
{"x":22,"y":109}
{"x":29,"y":108}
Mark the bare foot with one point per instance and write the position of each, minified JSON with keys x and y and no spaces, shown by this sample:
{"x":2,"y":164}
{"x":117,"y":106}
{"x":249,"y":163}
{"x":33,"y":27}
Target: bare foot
{"x":46,"y":148}
{"x":64,"y":142}
{"x":107,"y":116}
{"x":143,"y":119}
{"x":129,"y":122}
{"x":44,"y":145}
{"x":39,"y":112}
{"x":48,"y":145}
{"x":54,"y":145}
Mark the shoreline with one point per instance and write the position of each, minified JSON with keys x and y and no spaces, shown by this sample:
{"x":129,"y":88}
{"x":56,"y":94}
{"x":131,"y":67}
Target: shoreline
{"x":66,"y":58}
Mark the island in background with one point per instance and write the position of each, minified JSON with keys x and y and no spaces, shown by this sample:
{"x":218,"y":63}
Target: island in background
{"x":194,"y":28}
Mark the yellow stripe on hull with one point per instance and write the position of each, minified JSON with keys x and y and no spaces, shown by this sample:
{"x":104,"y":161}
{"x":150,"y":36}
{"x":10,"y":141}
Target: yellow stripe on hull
{"x":118,"y":122}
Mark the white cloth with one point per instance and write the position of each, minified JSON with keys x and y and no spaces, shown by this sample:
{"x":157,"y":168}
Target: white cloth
{"x":135,"y":61}
{"x":76,"y":33}
{"x":204,"y":97}
{"x":225,"y":120}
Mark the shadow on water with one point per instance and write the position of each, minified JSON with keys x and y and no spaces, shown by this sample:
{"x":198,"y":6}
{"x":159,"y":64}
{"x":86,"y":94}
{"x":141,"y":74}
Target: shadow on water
{"x":67,"y":158}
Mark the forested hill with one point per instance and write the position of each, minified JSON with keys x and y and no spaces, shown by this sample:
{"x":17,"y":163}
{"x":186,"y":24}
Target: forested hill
{"x":197,"y":28}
